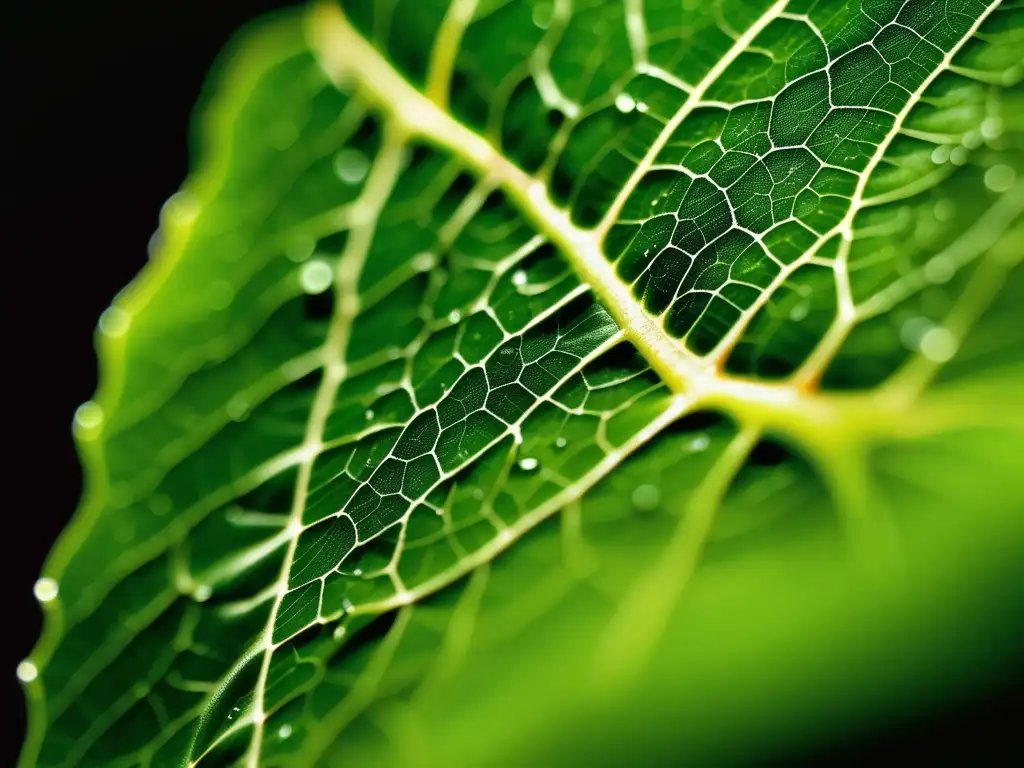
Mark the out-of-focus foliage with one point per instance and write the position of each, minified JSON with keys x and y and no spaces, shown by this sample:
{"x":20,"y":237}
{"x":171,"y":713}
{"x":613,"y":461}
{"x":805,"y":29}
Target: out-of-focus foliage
{"x":549,"y":381}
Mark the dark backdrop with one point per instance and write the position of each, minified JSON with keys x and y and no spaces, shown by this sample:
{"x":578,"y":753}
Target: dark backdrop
{"x":100,"y":96}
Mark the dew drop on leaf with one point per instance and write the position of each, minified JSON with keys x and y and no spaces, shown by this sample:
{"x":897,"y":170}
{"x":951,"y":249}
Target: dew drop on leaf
{"x":238,"y":408}
{"x":160,"y":504}
{"x":999,"y":178}
{"x":27,"y":671}
{"x":316,"y":277}
{"x":285,"y":730}
{"x":799,"y":311}
{"x":528,"y":464}
{"x":424,"y":261}
{"x":940,"y":155}
{"x":938,"y":270}
{"x":944,"y":210}
{"x":560,"y":442}
{"x":625,"y":103}
{"x":519,"y":278}
{"x":542,"y":13}
{"x":202,"y":592}
{"x":114,"y":322}
{"x":991,"y":128}
{"x":507,"y":355}
{"x":938,"y":344}
{"x":646,"y":498}
{"x":351,"y":166}
{"x":913,"y":330}
{"x":698,"y":443}
{"x":88,"y":416}
{"x":45,"y":589}
{"x":301,"y":249}
{"x":220,"y":295}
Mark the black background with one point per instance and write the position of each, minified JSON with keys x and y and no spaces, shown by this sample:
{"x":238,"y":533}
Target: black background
{"x":102,"y":95}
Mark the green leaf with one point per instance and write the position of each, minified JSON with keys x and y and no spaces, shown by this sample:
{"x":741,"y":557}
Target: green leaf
{"x":530,"y":382}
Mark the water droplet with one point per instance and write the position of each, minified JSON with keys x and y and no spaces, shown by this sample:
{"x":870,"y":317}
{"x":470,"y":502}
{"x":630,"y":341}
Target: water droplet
{"x":114,"y":322}
{"x":528,"y":464}
{"x":351,"y":165}
{"x":646,"y":498}
{"x":285,"y":730}
{"x":944,"y":210}
{"x":369,"y":414}
{"x":125,"y":532}
{"x":641,"y":107}
{"x":180,"y":209}
{"x":316,"y":276}
{"x":220,"y":295}
{"x":799,"y":311}
{"x":438,"y":511}
{"x":958,"y":156}
{"x":560,"y":442}
{"x":507,"y":355}
{"x":301,"y":249}
{"x":357,"y":571}
{"x":154,"y":244}
{"x":454,"y":316}
{"x":45,"y":589}
{"x":283,"y":135}
{"x":160,"y":504}
{"x":27,"y":671}
{"x":237,"y":408}
{"x":972,"y":139}
{"x":913,"y":330}
{"x":339,"y":632}
{"x":89,"y":416}
{"x":625,"y":103}
{"x":347,"y":605}
{"x":542,"y":13}
{"x":938,"y":269}
{"x":424,"y":261}
{"x":121,"y":495}
{"x":999,"y":178}
{"x":938,"y":344}
{"x":202,"y":592}
{"x":992,"y":128}
{"x":519,"y":278}
{"x":478,"y":493}
{"x":940,"y":155}
{"x":698,"y":443}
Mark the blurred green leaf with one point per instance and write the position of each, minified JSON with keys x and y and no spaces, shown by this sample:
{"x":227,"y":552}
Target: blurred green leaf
{"x":528,"y":382}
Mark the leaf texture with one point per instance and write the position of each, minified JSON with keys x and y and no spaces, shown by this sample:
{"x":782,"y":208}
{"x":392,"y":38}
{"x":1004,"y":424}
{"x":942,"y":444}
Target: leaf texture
{"x":495,"y":342}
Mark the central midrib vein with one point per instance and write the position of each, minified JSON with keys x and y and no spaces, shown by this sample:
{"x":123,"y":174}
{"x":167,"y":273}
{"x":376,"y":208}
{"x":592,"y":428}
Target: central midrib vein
{"x":353,"y":62}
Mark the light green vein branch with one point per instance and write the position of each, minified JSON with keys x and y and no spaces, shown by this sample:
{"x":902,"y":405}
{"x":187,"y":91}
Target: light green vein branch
{"x":378,"y":187}
{"x":446,"y":50}
{"x":640,"y":621}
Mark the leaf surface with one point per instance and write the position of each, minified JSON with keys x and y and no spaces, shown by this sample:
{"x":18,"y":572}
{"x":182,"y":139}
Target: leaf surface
{"x":642,"y":347}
